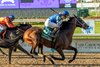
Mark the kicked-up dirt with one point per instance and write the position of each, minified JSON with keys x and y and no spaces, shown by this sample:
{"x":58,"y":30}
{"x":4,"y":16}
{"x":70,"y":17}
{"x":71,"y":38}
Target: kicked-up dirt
{"x":20,"y":59}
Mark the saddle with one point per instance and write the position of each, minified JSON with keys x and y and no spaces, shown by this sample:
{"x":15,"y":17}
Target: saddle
{"x":48,"y":34}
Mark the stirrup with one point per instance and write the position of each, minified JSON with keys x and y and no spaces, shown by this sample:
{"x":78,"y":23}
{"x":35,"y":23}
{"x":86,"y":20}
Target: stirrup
{"x":52,"y":35}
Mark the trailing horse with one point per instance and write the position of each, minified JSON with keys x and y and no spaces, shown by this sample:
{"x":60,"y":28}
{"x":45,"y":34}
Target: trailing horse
{"x":34,"y":37}
{"x":8,"y":42}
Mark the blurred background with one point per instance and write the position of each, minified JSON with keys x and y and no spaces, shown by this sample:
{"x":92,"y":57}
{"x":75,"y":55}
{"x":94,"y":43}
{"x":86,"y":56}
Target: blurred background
{"x":39,"y":10}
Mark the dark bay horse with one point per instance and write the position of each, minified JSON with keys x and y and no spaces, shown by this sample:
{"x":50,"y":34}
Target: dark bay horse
{"x":62,"y":41}
{"x":16,"y":31}
{"x":5,"y":42}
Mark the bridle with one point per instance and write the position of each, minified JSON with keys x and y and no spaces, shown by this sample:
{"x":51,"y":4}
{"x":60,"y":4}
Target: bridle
{"x":21,"y":30}
{"x":82,"y":24}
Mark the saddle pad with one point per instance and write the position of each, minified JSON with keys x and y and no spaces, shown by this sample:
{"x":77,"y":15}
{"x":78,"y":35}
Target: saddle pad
{"x":46,"y":36}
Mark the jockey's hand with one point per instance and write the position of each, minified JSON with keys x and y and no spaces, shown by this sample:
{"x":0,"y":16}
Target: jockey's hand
{"x":13,"y":28}
{"x":55,"y":29}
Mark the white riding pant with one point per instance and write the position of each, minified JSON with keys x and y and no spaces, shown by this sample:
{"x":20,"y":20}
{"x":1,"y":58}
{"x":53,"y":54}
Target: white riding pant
{"x":1,"y":28}
{"x":50,"y":24}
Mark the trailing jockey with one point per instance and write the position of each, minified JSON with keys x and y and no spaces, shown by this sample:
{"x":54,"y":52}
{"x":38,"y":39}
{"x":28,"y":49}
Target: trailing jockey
{"x":6,"y":22}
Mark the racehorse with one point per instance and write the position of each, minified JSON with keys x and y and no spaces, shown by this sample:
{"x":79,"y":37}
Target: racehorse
{"x":7,"y":37}
{"x":62,"y":41}
{"x":15,"y":31}
{"x":9,"y":43}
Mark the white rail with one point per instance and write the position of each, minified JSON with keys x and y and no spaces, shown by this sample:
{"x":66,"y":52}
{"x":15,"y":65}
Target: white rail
{"x":95,"y":35}
{"x":37,"y":20}
{"x":29,"y":20}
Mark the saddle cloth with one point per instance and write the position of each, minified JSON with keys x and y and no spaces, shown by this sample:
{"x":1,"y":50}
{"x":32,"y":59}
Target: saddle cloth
{"x":46,"y":36}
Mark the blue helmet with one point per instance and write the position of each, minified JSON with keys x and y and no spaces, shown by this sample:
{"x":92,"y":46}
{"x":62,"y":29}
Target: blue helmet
{"x":11,"y":17}
{"x":65,"y":13}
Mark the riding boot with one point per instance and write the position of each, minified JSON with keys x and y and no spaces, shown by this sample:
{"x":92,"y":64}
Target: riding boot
{"x":52,"y":35}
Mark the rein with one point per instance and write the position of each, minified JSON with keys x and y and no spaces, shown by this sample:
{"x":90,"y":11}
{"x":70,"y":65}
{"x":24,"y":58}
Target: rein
{"x":21,"y":30}
{"x":79,"y":22}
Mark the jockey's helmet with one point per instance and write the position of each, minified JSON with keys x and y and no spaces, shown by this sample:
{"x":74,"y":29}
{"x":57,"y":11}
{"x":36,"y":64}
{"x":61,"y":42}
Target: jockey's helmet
{"x":11,"y":17}
{"x":65,"y":12}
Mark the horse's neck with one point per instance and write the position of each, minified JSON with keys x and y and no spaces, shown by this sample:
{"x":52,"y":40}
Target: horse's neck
{"x":71,"y":28}
{"x":72,"y":24}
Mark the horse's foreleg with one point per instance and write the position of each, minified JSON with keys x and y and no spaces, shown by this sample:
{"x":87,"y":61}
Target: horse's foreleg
{"x":72,"y":48}
{"x":3,"y":52}
{"x":59,"y":50}
{"x":15,"y":49}
{"x":23,"y":50}
{"x":10,"y":54}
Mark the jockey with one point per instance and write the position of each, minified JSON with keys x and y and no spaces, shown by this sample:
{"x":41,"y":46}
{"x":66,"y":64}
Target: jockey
{"x":6,"y":22}
{"x":53,"y":22}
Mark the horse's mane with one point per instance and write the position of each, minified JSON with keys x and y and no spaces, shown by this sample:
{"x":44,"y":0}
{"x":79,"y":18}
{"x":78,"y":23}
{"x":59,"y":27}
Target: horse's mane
{"x":70,"y":19}
{"x":14,"y":28}
{"x":23,"y":25}
{"x":65,"y":24}
{"x":19,"y":25}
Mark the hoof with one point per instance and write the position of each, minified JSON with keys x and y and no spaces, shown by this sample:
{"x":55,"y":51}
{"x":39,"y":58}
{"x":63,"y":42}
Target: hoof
{"x":70,"y":61}
{"x":51,"y":55}
{"x":44,"y":58}
{"x":4,"y":54}
{"x":36,"y":53}
{"x":32,"y":56}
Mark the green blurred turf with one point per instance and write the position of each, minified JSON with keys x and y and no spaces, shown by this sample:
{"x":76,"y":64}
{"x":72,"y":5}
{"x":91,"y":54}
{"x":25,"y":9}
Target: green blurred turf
{"x":77,"y":30}
{"x":93,"y":13}
{"x":97,"y":29}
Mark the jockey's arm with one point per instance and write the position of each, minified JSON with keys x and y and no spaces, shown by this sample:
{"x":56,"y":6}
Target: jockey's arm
{"x":58,"y":20}
{"x":9,"y":23}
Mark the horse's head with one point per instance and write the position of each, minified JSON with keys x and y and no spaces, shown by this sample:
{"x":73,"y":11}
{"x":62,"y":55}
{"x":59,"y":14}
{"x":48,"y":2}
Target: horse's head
{"x":81,"y":23}
{"x":24,"y":27}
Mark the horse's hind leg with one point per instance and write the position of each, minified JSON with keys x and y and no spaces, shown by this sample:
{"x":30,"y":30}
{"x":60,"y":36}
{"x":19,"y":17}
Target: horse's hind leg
{"x":33,"y":51}
{"x":40,"y":48}
{"x":72,"y":48}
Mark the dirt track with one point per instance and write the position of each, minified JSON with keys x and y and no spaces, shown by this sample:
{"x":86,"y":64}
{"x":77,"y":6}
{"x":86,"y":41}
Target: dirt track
{"x":20,"y":59}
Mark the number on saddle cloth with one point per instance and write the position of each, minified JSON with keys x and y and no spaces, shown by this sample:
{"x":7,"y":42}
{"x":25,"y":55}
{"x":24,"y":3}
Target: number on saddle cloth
{"x":46,"y":33}
{"x":47,"y":30}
